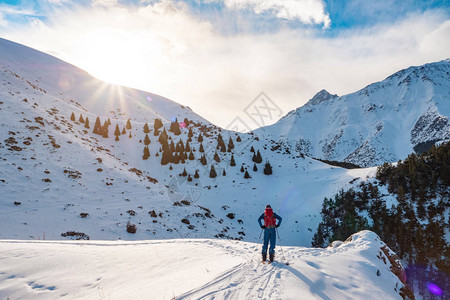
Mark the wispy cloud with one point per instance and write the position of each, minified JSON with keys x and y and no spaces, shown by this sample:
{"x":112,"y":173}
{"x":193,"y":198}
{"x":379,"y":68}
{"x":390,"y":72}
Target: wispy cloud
{"x":307,"y":11}
{"x":162,"y":47}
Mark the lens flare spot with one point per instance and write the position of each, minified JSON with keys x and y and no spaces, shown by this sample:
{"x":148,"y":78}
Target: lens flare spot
{"x":182,"y":125}
{"x":433,"y":288}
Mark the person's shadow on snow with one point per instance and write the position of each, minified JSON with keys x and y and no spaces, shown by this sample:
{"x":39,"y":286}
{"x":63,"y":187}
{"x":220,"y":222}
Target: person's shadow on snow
{"x":315,"y":287}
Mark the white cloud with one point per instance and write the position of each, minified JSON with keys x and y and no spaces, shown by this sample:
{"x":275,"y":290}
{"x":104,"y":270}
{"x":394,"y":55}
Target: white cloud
{"x":307,"y":11}
{"x":164,"y":49}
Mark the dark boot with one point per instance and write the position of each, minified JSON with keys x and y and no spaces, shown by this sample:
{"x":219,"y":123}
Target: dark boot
{"x":271,"y":256}
{"x":264,"y":256}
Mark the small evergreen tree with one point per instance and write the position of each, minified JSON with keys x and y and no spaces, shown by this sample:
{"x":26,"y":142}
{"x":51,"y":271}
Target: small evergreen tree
{"x":238,"y":139}
{"x":200,"y":138}
{"x":255,"y":168}
{"x":257,"y":158}
{"x":184,"y":174}
{"x":201,"y":148}
{"x":224,"y":173}
{"x":267,"y":169}
{"x":232,"y":162}
{"x":124,"y":131}
{"x":216,"y":157}
{"x":203,"y":160}
{"x":242,"y":169}
{"x":117,"y":132}
{"x":146,"y":129}
{"x":109,"y":121}
{"x":158,"y":124}
{"x":146,"y":140}
{"x":252,"y":149}
{"x":146,"y":153}
{"x":97,"y":126}
{"x":175,"y":127}
{"x":196,"y":175}
{"x":72,"y":116}
{"x":230,"y":144}
{"x":86,"y":123}
{"x":190,"y":133}
{"x":246,"y":175}
{"x":130,"y":136}
{"x":187,"y":148}
{"x":128,"y":124}
{"x":81,"y":120}
{"x":189,"y":178}
{"x":212,"y":172}
{"x":191,"y":156}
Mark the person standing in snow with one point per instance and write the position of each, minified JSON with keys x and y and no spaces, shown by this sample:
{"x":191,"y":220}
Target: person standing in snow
{"x":269,"y":231}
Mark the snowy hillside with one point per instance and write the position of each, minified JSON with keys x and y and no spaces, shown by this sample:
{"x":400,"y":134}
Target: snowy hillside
{"x":361,"y":268}
{"x":61,"y":180}
{"x":383,"y":122}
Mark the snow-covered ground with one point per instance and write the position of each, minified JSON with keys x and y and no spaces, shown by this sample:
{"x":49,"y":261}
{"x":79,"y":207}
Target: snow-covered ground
{"x":57,"y":176}
{"x":194,"y":269}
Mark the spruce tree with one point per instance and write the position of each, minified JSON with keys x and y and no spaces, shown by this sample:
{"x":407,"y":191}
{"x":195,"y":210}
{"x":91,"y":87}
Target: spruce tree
{"x":201,"y":148}
{"x":86,"y":123}
{"x":117,"y":132}
{"x":184,"y":174}
{"x":257,"y":158}
{"x":252,"y":149}
{"x":246,"y":175}
{"x":109,"y":121}
{"x":232,"y":162}
{"x":97,"y":126}
{"x":191,"y":156}
{"x":175,"y":127}
{"x":186,"y":122}
{"x":212,"y":172}
{"x":216,"y":157}
{"x":128,"y":124}
{"x":242,"y":169}
{"x":238,"y":139}
{"x":81,"y":120}
{"x":130,"y":136}
{"x":196,"y":175}
{"x":224,"y":173}
{"x":268,"y":169}
{"x":124,"y":131}
{"x":187,"y":148}
{"x":72,"y":116}
{"x":158,"y":124}
{"x":146,"y":129}
{"x":146,"y":153}
{"x":189,"y":179}
{"x":255,"y":168}
{"x":230,"y":144}
{"x":200,"y":138}
{"x":203,"y":160}
{"x":104,"y":131}
{"x":147,"y":140}
{"x":166,"y":157}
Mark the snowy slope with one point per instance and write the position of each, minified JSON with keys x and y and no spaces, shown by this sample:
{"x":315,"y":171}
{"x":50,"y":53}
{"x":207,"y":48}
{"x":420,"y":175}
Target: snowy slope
{"x":383,"y":122}
{"x":360,"y":268}
{"x":56,"y":176}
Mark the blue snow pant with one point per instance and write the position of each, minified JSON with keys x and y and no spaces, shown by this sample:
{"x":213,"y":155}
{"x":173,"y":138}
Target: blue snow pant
{"x":269,"y":236}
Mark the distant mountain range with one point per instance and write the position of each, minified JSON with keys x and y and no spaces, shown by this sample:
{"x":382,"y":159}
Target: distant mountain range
{"x":383,"y":122}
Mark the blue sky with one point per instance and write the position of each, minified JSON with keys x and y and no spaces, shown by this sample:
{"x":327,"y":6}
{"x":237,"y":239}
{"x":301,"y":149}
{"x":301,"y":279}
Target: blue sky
{"x":228,"y":51}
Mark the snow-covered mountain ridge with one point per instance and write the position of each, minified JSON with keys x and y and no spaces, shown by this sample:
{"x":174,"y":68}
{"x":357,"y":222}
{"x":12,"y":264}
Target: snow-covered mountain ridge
{"x":58,"y":178}
{"x":382,"y":122}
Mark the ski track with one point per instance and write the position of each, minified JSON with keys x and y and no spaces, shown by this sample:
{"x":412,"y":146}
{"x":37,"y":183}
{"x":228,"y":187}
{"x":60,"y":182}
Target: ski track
{"x":248,"y":280}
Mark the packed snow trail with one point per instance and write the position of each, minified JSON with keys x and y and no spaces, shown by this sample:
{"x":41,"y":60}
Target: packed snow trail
{"x":193,"y":269}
